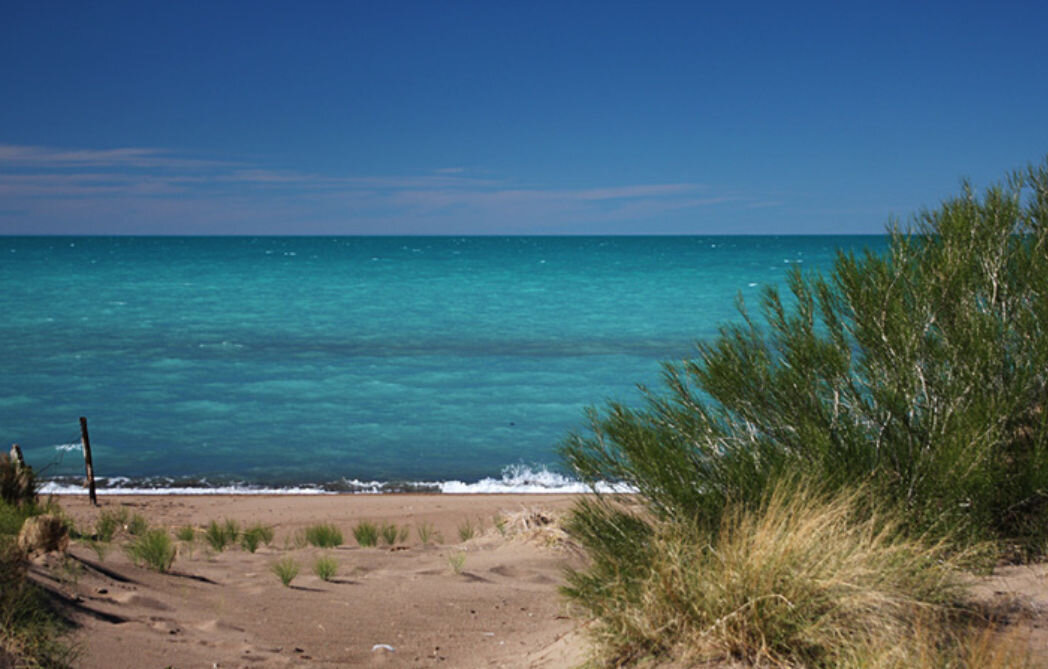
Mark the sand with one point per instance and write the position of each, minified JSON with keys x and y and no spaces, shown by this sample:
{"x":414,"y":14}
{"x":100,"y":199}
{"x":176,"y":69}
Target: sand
{"x":400,"y":606}
{"x":403,"y":606}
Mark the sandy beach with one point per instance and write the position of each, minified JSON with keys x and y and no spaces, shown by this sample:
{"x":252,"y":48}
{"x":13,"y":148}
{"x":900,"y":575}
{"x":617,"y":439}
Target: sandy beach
{"x":396,"y":606}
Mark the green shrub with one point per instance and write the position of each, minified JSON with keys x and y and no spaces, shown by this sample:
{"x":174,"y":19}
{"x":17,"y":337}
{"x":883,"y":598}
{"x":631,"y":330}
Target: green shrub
{"x":325,"y":568}
{"x":923,"y":371}
{"x":286,"y":570}
{"x":153,"y":548}
{"x":366,"y":533}
{"x":324,"y":535}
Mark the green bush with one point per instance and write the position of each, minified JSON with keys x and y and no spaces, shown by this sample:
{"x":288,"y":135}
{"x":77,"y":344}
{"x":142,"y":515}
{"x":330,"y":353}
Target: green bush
{"x":920,"y":375}
{"x":324,"y":535}
{"x":153,"y":548}
{"x":923,"y":371}
{"x":366,"y":533}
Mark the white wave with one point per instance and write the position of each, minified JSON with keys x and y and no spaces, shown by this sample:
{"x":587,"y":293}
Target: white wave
{"x":69,"y":447}
{"x":520,"y":479}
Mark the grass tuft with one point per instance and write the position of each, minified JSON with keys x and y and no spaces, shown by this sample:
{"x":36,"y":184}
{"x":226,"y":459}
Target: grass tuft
{"x":137,"y":525}
{"x":457,"y":561}
{"x":324,"y":535}
{"x":426,"y":533}
{"x":256,"y":535}
{"x":153,"y":548}
{"x":219,"y":536}
{"x":286,"y":570}
{"x":325,"y":568}
{"x":186,"y":533}
{"x":389,"y":533}
{"x":467,"y":530}
{"x":366,"y":533}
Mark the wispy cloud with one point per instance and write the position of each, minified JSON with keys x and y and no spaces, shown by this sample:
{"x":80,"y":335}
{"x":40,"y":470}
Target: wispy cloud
{"x":147,"y":190}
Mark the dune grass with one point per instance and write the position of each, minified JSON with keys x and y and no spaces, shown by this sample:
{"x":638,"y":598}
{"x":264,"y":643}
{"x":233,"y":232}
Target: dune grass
{"x":366,"y":533}
{"x":467,"y":530}
{"x":152,"y":548}
{"x":805,"y":579}
{"x":286,"y":570}
{"x":256,"y":535}
{"x":222,"y":535}
{"x":186,"y":533}
{"x":325,"y":568}
{"x":457,"y":561}
{"x":324,"y":535}
{"x":426,"y":533}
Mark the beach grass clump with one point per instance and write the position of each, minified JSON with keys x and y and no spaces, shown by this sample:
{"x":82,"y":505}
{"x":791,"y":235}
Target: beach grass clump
{"x":366,"y":533}
{"x":109,"y":522}
{"x":152,"y":548}
{"x":286,"y":570}
{"x":391,"y":534}
{"x":426,"y":533}
{"x":803,"y":579}
{"x":457,"y":561}
{"x":325,"y":568}
{"x":467,"y":530}
{"x":221,"y":535}
{"x":186,"y":533}
{"x":324,"y":535}
{"x":256,"y":535}
{"x":136,"y":525}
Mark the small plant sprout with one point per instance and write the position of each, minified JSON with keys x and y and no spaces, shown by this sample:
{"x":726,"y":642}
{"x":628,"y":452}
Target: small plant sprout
{"x":366,"y":533}
{"x":457,"y":561}
{"x":286,"y":570}
{"x":153,"y":548}
{"x":324,"y":535}
{"x":325,"y":568}
{"x":467,"y":530}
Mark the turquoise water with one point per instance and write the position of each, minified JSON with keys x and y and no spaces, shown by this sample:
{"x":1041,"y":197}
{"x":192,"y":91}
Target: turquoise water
{"x":282,"y":361}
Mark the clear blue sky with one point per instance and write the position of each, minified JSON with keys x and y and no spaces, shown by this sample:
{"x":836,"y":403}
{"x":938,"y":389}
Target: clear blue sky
{"x":534,"y":117}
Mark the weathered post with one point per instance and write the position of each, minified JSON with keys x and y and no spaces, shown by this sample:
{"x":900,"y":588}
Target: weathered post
{"x":87,"y":461}
{"x":16,"y":455}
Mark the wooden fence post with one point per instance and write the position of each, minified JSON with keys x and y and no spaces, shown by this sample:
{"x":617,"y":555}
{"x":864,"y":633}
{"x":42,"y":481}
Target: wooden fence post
{"x":16,"y":455}
{"x":87,"y":461}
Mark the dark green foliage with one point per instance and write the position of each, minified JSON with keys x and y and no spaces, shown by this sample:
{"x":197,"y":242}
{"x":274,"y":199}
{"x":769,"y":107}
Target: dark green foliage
{"x":921,"y":372}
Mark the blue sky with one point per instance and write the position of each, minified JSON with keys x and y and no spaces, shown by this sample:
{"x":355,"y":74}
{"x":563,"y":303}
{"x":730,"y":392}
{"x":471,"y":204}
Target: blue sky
{"x":509,"y":117}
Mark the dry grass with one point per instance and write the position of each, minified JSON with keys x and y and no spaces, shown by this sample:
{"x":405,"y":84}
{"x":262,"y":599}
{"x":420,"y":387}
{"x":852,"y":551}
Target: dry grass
{"x":799,"y":582}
